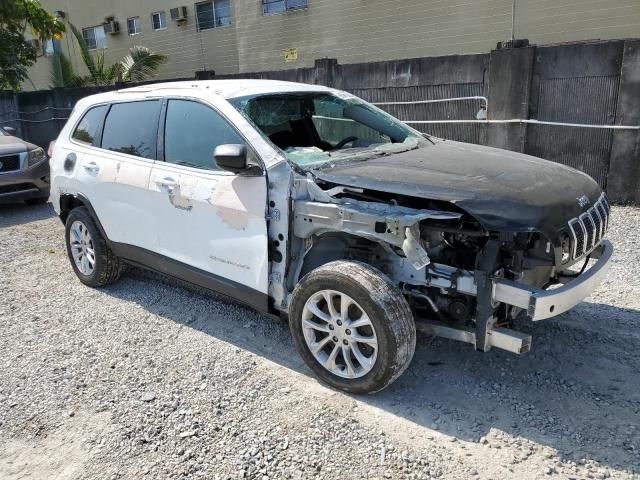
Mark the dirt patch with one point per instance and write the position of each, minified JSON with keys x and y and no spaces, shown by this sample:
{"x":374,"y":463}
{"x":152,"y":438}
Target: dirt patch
{"x":61,"y":454}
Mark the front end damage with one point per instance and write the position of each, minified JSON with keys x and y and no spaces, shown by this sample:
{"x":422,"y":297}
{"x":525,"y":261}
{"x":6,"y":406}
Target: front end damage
{"x":462,"y":281}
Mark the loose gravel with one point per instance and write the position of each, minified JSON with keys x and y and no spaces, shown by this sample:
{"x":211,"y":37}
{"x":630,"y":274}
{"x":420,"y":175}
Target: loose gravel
{"x":151,"y":378}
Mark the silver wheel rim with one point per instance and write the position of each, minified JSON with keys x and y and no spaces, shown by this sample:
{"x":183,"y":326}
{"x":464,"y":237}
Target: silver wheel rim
{"x":339,"y":334}
{"x":82,"y":249}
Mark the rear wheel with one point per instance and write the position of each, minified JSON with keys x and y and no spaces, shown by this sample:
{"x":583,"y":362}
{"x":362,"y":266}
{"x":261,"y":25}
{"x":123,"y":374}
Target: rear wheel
{"x":91,"y":258}
{"x":352,"y":326}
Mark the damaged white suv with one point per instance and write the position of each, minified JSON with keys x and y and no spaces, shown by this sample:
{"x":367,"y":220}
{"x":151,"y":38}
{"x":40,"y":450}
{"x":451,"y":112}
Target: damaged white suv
{"x":306,"y":201}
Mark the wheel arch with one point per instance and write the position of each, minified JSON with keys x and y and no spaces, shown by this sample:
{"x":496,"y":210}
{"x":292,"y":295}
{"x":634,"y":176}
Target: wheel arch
{"x":329,"y":247}
{"x":69,"y":202}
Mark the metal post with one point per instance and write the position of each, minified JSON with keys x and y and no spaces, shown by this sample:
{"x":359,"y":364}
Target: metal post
{"x":485,"y":315}
{"x":513,"y":20}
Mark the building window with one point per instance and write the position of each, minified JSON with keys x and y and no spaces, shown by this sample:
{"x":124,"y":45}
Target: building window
{"x":94,"y":37}
{"x":48,"y":48}
{"x":133,"y":25}
{"x":159,"y":20}
{"x":278,"y":6}
{"x":213,"y":14}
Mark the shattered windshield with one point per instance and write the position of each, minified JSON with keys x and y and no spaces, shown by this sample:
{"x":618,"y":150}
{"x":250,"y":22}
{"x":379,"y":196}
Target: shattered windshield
{"x":316,"y":127}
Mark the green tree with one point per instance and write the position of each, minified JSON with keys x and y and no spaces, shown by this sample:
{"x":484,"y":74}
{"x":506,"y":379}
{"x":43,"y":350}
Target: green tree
{"x":140,"y":64}
{"x":16,"y":53}
{"x":62,"y":73}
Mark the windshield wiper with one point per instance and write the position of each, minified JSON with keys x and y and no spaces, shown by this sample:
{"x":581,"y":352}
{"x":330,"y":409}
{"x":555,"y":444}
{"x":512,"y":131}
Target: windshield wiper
{"x":428,"y":137}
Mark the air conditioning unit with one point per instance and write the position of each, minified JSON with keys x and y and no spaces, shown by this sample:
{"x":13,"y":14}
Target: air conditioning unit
{"x":179,"y":14}
{"x":35,"y":43}
{"x":112,"y":27}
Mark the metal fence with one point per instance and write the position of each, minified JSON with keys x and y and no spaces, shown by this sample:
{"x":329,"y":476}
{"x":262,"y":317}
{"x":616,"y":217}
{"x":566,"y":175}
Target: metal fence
{"x":571,"y":120}
{"x":433,"y":103}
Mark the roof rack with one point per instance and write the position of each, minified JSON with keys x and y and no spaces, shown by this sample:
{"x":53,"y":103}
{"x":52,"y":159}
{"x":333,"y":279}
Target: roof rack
{"x":163,"y":86}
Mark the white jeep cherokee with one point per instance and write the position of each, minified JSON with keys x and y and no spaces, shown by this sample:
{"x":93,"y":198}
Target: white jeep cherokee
{"x":305,"y":201}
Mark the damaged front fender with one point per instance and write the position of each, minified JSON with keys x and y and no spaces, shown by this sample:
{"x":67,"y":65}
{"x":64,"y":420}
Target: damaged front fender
{"x":384,"y":223}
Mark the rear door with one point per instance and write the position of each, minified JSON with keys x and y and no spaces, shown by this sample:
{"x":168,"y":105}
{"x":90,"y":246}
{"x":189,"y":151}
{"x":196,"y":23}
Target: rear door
{"x":79,"y":171}
{"x":118,"y":173}
{"x":210,"y":221}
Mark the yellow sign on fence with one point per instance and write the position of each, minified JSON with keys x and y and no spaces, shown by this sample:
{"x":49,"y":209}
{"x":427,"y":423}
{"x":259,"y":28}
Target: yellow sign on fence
{"x":291,"y":55}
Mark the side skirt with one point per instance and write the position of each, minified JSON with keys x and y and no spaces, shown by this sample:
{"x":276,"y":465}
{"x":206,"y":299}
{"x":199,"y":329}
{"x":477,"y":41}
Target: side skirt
{"x":173,"y":268}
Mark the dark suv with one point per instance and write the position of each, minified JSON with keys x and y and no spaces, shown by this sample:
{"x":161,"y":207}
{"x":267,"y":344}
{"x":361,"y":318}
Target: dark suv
{"x":24,"y":170}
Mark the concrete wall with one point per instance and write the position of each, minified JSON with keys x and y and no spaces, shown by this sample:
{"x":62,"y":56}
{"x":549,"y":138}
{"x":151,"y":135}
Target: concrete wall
{"x":354,"y":31}
{"x":555,"y":21}
{"x":351,"y":31}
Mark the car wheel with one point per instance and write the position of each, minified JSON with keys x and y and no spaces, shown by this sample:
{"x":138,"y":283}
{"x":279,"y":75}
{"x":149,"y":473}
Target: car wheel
{"x":91,"y":258}
{"x":36,"y":201}
{"x":352,"y":326}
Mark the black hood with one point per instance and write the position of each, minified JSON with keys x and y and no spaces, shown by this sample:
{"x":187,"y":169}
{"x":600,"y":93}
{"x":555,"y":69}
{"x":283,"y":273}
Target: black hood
{"x":503,"y":190}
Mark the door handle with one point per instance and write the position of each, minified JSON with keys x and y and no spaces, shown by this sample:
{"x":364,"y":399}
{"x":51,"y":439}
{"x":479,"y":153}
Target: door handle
{"x":169,"y":183}
{"x":91,"y":167}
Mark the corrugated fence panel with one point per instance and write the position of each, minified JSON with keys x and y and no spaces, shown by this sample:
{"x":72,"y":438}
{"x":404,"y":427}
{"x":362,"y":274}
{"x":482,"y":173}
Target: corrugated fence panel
{"x":460,"y":110}
{"x":8,"y":114}
{"x":586,"y":100}
{"x":586,"y":149}
{"x":590,"y":100}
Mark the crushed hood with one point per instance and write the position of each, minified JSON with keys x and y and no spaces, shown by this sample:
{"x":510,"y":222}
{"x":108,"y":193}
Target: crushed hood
{"x":503,"y":190}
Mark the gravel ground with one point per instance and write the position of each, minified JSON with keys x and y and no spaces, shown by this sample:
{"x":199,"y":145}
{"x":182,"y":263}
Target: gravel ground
{"x":150,"y":378}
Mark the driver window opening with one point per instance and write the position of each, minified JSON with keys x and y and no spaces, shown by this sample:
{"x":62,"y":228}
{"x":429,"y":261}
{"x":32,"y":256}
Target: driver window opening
{"x":322,"y":122}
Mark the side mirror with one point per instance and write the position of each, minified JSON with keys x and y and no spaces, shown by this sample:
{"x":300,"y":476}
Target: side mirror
{"x":232,"y":158}
{"x":9,"y":130}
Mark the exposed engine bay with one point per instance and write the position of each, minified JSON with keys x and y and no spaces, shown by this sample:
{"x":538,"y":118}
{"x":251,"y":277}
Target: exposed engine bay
{"x":430,"y":249}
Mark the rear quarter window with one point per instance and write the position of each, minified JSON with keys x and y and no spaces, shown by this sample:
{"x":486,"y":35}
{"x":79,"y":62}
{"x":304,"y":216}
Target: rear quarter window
{"x":87,"y":130}
{"x":132,"y":128}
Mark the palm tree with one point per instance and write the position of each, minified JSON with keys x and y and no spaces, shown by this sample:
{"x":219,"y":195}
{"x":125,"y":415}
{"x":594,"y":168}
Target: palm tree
{"x":140,"y":64}
{"x":62,"y":74}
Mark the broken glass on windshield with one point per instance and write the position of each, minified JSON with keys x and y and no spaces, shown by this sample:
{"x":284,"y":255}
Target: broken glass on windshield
{"x":316,"y":127}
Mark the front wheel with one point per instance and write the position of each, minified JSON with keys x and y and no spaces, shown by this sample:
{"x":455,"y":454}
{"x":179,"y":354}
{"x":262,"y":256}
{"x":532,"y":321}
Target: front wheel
{"x":352,"y":326}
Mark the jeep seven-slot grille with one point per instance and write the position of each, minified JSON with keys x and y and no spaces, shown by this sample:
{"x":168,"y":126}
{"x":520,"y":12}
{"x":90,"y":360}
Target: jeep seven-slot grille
{"x":589,"y":228}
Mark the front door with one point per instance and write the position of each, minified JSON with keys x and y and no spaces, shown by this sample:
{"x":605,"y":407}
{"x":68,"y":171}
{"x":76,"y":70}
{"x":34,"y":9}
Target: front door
{"x":210,"y":222}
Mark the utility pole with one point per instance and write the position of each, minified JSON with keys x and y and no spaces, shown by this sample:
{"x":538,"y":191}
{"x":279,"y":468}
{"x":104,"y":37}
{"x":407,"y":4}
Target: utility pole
{"x":513,"y":20}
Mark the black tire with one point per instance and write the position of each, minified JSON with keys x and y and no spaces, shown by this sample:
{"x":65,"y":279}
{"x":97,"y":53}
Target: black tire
{"x":36,"y":201}
{"x":386,"y":308}
{"x":108,"y":267}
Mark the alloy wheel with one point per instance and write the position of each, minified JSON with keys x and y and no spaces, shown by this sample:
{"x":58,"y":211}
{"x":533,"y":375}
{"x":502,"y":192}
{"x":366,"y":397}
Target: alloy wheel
{"x":339,"y":334}
{"x":82,"y":248}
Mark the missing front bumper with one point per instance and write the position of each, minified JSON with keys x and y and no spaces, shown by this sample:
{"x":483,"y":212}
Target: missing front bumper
{"x":542,"y":304}
{"x":503,"y":338}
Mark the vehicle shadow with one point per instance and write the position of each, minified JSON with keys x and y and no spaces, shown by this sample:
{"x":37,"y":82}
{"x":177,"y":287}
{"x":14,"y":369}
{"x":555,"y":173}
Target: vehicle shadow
{"x":12,"y":214}
{"x":577,"y":392}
